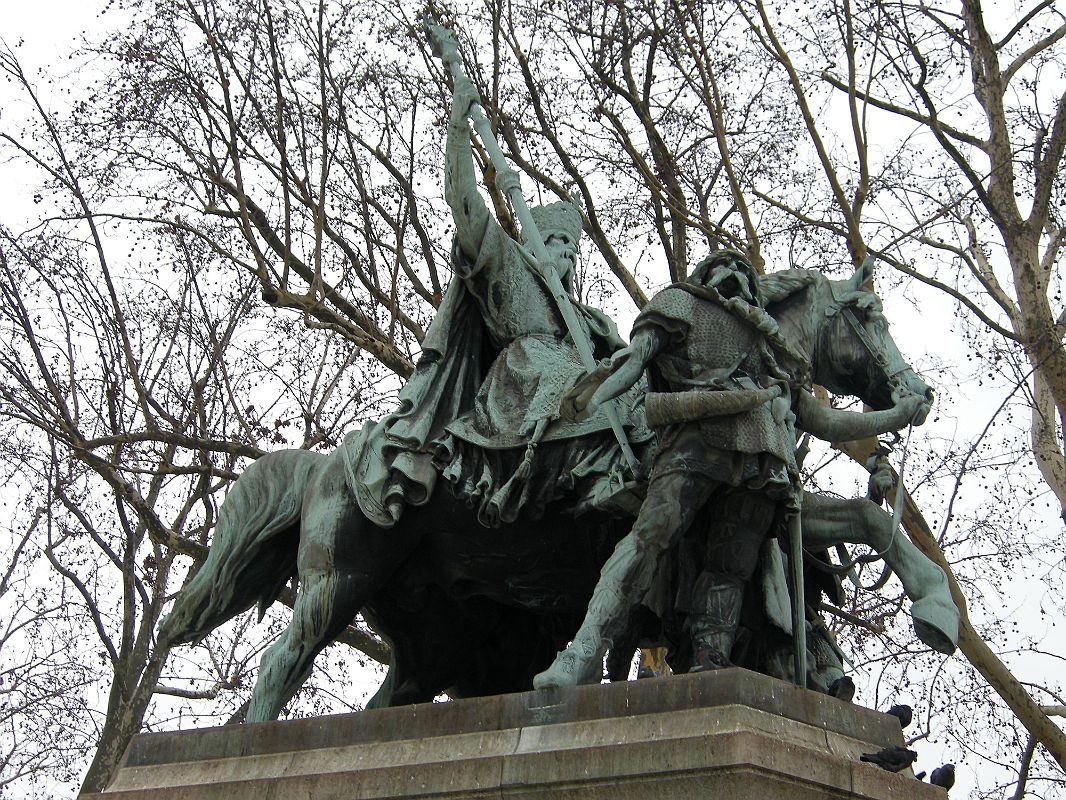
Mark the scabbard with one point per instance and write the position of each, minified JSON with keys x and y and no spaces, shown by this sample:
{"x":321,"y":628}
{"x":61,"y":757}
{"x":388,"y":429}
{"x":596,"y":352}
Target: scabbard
{"x":673,"y":408}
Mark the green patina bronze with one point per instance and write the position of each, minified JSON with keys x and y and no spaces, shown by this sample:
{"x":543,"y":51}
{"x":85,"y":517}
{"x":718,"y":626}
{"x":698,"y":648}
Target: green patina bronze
{"x":708,"y":342}
{"x":514,"y":300}
{"x":469,"y":526}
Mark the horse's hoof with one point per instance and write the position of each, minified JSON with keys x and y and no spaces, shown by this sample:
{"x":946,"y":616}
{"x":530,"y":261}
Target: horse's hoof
{"x":569,"y":669}
{"x":936,"y":621}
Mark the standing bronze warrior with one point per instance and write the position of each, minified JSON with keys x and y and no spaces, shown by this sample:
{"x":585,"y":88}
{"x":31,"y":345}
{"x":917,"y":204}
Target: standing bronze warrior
{"x":727,"y":401}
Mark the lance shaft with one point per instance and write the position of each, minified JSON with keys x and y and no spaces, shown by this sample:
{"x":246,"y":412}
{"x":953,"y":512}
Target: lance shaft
{"x":799,"y":599}
{"x":444,"y":47}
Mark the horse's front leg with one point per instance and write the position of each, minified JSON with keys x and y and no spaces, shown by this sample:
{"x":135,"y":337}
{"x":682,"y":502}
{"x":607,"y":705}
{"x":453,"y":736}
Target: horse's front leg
{"x":343,"y":559}
{"x":828,"y":521}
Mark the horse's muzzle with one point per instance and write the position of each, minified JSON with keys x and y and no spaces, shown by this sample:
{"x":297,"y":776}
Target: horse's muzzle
{"x":908,"y":383}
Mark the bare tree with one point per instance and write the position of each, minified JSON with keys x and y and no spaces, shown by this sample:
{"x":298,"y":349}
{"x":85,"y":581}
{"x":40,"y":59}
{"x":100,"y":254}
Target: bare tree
{"x":43,"y":678}
{"x":295,"y":150}
{"x":131,"y":392}
{"x":976,"y":182}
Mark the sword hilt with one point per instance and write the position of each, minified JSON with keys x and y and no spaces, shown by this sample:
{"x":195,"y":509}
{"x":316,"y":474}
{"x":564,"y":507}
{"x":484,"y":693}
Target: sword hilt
{"x":442,"y":42}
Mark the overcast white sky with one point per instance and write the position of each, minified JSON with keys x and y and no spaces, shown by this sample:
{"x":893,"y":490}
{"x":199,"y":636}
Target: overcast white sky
{"x":49,"y":29}
{"x":48,"y":26}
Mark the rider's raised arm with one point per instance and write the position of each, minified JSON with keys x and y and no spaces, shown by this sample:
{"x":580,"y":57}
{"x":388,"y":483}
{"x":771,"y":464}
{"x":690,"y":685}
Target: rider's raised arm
{"x":834,"y":425}
{"x":469,"y":211}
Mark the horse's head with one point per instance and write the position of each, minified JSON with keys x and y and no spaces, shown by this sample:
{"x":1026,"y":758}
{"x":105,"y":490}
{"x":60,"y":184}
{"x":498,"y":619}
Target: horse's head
{"x":856,"y":353}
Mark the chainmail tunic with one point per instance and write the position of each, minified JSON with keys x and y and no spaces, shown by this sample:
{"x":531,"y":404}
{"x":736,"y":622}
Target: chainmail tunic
{"x":537,"y":361}
{"x":710,"y":349}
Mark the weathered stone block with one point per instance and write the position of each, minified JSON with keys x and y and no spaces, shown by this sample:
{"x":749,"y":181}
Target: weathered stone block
{"x":732,"y":732}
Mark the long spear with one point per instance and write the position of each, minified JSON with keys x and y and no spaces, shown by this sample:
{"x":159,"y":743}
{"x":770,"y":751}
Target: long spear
{"x":444,"y":46}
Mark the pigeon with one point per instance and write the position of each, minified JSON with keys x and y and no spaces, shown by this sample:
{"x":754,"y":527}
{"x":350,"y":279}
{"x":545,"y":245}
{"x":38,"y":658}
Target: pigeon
{"x":892,"y":759}
{"x":843,"y":688}
{"x":943,"y":776}
{"x":903,"y":713}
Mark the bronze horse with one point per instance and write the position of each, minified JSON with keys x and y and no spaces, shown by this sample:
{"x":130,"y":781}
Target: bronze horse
{"x":470,"y":610}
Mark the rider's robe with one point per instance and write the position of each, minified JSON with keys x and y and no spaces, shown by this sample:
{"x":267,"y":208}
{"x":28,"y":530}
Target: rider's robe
{"x":494,"y":362}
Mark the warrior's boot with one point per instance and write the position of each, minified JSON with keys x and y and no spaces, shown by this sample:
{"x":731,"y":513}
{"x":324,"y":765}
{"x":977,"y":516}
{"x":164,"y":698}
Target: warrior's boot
{"x":582,"y":661}
{"x":713,"y":621}
{"x":624,"y":581}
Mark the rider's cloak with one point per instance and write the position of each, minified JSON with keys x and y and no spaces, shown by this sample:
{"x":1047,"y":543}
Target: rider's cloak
{"x":494,"y":363}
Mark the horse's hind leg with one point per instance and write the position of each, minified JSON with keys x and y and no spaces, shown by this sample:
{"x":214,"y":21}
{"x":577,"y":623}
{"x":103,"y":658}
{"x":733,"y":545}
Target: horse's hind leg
{"x":343,"y":559}
{"x":326,"y":603}
{"x":828,"y":521}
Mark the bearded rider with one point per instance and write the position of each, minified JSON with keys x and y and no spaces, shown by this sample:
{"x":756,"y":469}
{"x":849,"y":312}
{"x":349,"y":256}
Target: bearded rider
{"x":482,"y":408}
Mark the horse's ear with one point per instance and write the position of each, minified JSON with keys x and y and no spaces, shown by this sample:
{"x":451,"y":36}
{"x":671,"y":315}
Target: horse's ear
{"x":863,"y":279}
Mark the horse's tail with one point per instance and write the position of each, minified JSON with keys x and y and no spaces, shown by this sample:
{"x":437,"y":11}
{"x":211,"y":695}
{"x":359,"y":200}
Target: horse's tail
{"x":254,"y":550}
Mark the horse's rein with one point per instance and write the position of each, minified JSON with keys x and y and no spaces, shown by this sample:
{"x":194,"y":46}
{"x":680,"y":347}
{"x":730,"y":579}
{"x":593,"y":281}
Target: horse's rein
{"x":876,"y":352}
{"x":874,"y":349}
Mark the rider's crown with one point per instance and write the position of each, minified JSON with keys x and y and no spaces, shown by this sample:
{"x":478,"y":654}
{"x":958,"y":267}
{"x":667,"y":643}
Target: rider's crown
{"x":559,"y":217}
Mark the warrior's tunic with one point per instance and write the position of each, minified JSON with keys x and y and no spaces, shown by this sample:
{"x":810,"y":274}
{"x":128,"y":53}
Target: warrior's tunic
{"x":707,"y":350}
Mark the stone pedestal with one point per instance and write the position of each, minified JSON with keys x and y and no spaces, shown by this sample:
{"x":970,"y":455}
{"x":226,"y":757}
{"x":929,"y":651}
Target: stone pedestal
{"x":726,"y":734}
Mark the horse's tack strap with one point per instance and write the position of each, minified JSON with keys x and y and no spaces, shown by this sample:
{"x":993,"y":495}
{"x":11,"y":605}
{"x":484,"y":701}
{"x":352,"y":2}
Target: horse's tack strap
{"x":672,"y":408}
{"x":891,"y":369}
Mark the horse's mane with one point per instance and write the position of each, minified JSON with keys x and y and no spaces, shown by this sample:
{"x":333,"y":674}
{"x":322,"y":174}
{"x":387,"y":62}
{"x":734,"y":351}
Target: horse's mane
{"x":777,"y":286}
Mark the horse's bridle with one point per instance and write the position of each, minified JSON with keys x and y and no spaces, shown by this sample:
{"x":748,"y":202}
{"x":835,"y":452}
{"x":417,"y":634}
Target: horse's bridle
{"x":891,"y":368}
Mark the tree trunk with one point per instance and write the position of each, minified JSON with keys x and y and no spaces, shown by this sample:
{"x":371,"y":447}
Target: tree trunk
{"x":121,"y":725}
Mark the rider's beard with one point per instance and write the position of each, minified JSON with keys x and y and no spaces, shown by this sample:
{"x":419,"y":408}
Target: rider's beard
{"x":731,"y":282}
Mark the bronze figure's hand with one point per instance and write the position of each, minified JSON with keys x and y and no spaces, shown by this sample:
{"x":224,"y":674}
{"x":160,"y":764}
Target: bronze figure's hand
{"x":913,"y":409}
{"x":465,"y":96}
{"x":442,"y":43}
{"x":508,"y":182}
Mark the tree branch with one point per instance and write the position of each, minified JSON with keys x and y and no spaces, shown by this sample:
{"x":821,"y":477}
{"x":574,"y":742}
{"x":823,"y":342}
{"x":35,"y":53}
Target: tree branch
{"x":976,"y":650}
